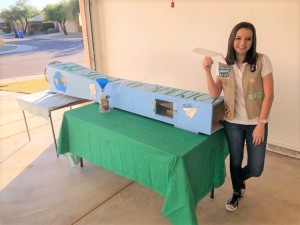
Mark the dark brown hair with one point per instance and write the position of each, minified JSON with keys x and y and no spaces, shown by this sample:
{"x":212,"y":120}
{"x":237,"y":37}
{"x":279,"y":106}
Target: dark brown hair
{"x":251,"y":56}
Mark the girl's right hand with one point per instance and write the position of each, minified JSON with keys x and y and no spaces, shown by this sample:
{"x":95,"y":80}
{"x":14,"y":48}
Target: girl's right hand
{"x":207,"y":63}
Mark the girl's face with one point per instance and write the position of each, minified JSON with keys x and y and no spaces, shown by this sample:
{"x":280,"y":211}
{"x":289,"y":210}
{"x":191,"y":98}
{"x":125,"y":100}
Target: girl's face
{"x":243,"y":41}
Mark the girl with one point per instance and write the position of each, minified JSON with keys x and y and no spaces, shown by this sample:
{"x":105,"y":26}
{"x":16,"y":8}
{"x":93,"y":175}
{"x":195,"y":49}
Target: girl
{"x":247,"y":83}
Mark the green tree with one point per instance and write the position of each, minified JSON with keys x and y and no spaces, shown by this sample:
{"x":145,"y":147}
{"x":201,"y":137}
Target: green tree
{"x":73,"y":10}
{"x":57,"y":12}
{"x":65,"y":10}
{"x":23,"y":12}
{"x":8,"y":17}
{"x":19,"y":14}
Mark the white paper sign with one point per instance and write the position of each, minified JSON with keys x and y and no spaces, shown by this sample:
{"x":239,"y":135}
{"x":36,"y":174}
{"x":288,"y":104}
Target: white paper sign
{"x":217,"y":57}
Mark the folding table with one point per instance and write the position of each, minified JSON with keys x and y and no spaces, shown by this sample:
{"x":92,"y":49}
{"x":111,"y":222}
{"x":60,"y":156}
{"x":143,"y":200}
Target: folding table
{"x":42,"y":104}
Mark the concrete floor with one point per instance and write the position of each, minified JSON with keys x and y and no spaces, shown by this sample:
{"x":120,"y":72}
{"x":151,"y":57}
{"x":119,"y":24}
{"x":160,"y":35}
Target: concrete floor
{"x":38,"y":188}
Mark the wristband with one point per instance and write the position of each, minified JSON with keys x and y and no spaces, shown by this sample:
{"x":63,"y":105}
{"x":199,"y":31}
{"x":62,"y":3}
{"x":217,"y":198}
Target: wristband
{"x":263,"y":121}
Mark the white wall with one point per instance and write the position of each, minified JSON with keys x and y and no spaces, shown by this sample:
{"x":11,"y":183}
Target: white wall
{"x":149,"y":41}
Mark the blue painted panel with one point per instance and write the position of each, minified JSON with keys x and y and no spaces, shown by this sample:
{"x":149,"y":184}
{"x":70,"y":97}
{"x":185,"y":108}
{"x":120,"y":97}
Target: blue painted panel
{"x":188,"y":110}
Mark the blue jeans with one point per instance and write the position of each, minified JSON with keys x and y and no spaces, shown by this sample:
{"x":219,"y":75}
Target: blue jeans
{"x":236,"y":135}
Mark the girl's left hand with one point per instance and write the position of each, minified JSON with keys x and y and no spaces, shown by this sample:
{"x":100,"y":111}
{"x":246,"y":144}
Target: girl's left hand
{"x":207,"y":64}
{"x":258,"y":134}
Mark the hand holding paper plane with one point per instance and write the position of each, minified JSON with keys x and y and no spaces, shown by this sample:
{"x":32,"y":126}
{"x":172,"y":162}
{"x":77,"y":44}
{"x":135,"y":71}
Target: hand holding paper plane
{"x":217,"y":57}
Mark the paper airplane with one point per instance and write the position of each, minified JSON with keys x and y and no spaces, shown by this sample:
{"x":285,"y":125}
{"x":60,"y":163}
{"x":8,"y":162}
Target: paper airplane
{"x":190,"y":112}
{"x":217,"y":57}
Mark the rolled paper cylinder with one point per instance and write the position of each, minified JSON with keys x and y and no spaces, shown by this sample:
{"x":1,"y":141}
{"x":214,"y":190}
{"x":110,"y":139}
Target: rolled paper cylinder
{"x":102,"y":82}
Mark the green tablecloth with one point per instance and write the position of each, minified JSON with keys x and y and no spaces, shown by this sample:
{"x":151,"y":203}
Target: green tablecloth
{"x":180,"y":165}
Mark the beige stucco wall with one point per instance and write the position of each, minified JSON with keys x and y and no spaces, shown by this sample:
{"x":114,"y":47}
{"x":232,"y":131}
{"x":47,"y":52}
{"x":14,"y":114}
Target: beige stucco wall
{"x":73,"y":26}
{"x":147,"y":40}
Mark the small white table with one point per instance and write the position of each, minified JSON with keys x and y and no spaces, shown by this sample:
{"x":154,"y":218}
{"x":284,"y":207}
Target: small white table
{"x":43,"y":103}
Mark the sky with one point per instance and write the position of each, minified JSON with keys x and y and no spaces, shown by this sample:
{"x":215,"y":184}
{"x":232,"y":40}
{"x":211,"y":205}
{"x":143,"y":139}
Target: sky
{"x":39,"y":4}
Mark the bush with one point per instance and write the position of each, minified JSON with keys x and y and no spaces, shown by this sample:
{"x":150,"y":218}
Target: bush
{"x":46,"y":26}
{"x":36,"y":26}
{"x":6,"y":30}
{"x":51,"y":30}
{"x":31,"y":31}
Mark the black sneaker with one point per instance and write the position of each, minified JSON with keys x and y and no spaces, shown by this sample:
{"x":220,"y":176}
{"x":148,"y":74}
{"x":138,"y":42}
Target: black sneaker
{"x":243,"y":188}
{"x":233,"y":202}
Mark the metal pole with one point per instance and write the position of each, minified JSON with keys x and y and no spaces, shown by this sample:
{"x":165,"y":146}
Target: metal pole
{"x":53,"y":133}
{"x":26,"y":125}
{"x":212,"y":193}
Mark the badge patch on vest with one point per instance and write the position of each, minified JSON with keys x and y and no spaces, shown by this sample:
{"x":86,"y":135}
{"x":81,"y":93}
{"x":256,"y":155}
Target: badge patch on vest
{"x":255,"y":96}
{"x":251,"y":81}
{"x":224,"y":71}
{"x":253,"y":67}
{"x":227,"y":112}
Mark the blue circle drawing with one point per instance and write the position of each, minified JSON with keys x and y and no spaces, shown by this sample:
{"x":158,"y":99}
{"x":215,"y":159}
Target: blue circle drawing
{"x":60,"y":82}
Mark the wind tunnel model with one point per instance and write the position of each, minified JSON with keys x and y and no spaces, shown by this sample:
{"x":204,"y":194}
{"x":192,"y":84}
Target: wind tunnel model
{"x":192,"y":111}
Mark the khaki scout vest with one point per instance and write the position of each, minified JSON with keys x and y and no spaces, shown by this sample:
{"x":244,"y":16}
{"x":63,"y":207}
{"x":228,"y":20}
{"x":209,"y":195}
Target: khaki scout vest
{"x":252,"y":86}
